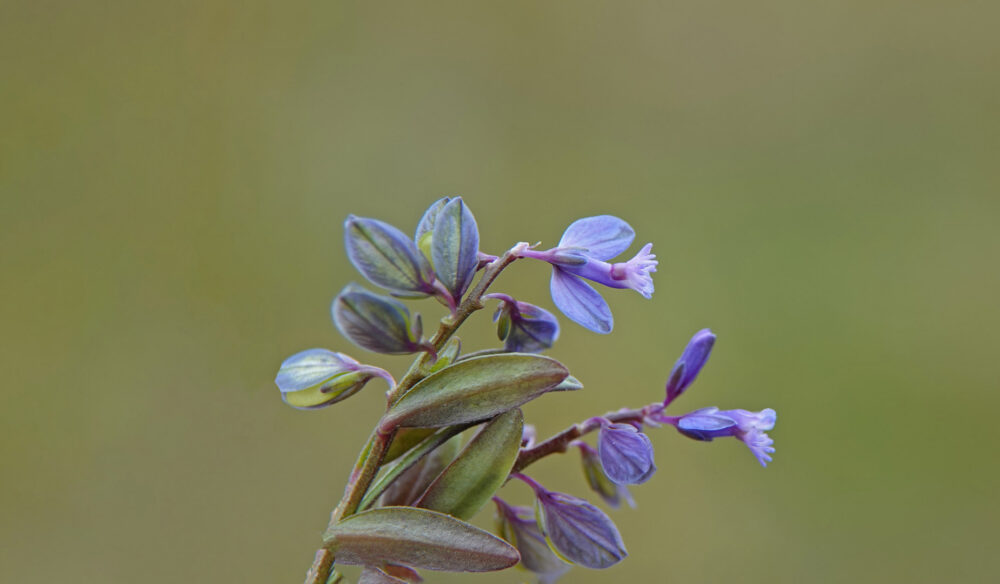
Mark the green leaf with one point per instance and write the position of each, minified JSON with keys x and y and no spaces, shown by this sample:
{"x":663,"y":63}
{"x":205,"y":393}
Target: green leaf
{"x":410,"y":485}
{"x":472,"y":478}
{"x":419,"y":538}
{"x":405,"y":439}
{"x":569,"y":384}
{"x":475,"y":389}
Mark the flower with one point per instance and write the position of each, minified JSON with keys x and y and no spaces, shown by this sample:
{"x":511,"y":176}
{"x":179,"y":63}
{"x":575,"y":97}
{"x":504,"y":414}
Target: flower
{"x":524,"y":327}
{"x":689,"y":364}
{"x":583,"y":252}
{"x":576,"y":530}
{"x":626,"y":454}
{"x":518,"y":527}
{"x":707,"y":424}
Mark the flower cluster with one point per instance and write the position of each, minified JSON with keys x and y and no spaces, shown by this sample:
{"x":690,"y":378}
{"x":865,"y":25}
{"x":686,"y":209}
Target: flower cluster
{"x":453,"y":433}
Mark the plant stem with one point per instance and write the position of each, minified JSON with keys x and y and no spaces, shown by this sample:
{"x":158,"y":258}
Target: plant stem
{"x":371,"y":455}
{"x":561,"y":441}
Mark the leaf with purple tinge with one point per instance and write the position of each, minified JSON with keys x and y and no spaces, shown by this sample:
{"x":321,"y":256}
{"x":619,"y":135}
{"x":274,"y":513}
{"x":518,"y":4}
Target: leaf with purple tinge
{"x":475,"y":389}
{"x":419,"y":538}
{"x":479,"y":470}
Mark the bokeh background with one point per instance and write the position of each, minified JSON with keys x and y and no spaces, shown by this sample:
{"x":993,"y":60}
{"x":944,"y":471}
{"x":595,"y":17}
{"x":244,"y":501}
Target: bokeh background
{"x":821,"y":181}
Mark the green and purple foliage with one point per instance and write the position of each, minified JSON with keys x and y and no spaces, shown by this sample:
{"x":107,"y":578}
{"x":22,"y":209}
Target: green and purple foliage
{"x":408,"y":500}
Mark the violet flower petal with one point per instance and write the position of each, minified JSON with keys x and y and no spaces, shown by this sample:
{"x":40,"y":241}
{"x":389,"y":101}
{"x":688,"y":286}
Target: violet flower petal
{"x":690,"y":363}
{"x":580,"y":302}
{"x":603,"y":236}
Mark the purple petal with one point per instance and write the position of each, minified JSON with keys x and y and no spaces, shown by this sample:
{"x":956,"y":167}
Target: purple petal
{"x":580,"y":302}
{"x":604,"y":236}
{"x":705,"y":422}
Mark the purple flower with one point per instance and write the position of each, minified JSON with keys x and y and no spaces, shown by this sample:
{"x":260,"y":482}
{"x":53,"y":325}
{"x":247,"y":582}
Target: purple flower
{"x":517,"y":525}
{"x":583,"y":252}
{"x":524,"y":327}
{"x":576,"y":530}
{"x":689,"y":364}
{"x":626,"y":454}
{"x":612,"y":493}
{"x":709,"y":423}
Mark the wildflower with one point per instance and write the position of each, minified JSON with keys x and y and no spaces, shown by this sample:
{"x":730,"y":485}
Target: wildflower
{"x":626,"y":454}
{"x":576,"y":530}
{"x":689,"y":364}
{"x":387,"y":257}
{"x":583,"y":252}
{"x":377,"y":323}
{"x":524,"y":327}
{"x":750,"y":427}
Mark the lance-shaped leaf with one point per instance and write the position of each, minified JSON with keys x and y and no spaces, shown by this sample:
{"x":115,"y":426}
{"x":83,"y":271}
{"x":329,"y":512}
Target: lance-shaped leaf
{"x":404,"y":440}
{"x":410,"y":485}
{"x":469,"y":482}
{"x":377,"y":323}
{"x":386,"y":256}
{"x":420,"y":538}
{"x":475,"y":389}
{"x":455,"y":247}
{"x":447,"y":355}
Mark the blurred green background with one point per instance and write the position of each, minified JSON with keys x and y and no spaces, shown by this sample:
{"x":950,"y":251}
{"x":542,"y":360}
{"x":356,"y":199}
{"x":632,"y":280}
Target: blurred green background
{"x":821,"y":181}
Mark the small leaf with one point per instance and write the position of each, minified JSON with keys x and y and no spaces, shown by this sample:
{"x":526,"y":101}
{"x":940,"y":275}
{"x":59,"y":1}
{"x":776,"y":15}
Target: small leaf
{"x":410,"y":485}
{"x":569,"y":384}
{"x":475,"y":389}
{"x":419,"y":538}
{"x":447,"y":355}
{"x":405,"y":439}
{"x":455,"y":246}
{"x":482,"y":467}
{"x":376,"y":576}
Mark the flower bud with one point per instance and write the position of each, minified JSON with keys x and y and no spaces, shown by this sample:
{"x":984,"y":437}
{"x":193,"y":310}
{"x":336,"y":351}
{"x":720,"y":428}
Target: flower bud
{"x":455,"y":247}
{"x":593,"y":471}
{"x":517,"y":525}
{"x":524,"y":328}
{"x":317,"y":378}
{"x":626,"y":454}
{"x":387,"y":257}
{"x":377,"y":323}
{"x":576,"y":530}
{"x":689,"y":364}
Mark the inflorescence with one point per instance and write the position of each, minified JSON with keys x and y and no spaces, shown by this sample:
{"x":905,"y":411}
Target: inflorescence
{"x":416,"y":484}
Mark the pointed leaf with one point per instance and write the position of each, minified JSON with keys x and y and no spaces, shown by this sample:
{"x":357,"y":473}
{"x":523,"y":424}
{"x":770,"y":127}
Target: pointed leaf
{"x":405,"y":439}
{"x":475,"y":389}
{"x":417,"y":537}
{"x":469,"y":482}
{"x":410,"y":485}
